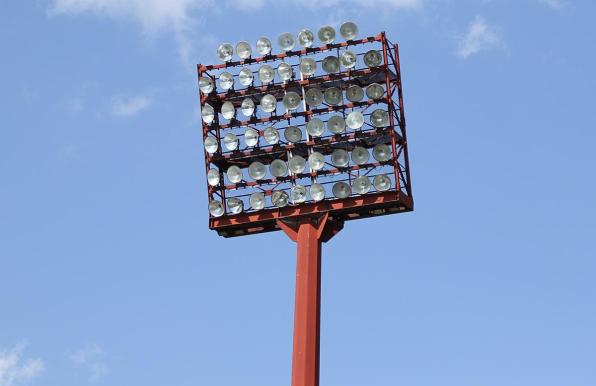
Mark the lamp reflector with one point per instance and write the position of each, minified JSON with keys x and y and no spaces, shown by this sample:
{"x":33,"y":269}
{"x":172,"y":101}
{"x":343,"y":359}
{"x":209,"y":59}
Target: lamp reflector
{"x":213,"y":177}
{"x":271,"y":135}
{"x":372,"y":58}
{"x":379,"y":118}
{"x":336,"y":124}
{"x":264,"y":46}
{"x":278,"y":168}
{"x":348,"y":59}
{"x":354,"y":93}
{"x":225,"y":52}
{"x":286,"y":41}
{"x":316,"y":161}
{"x":268,"y":103}
{"x":228,"y":111}
{"x":306,"y":38}
{"x":326,"y":34}
{"x":355,"y":120}
{"x":332,"y":96}
{"x":226,"y":80}
{"x":251,"y":137}
{"x":375,"y":91}
{"x":297,"y":164}
{"x":341,"y":190}
{"x":291,"y":100}
{"x":235,"y":205}
{"x":348,"y":30}
{"x":382,"y":152}
{"x":279,"y":198}
{"x":216,"y":208}
{"x":293,"y":134}
{"x":266,"y":74}
{"x":330,"y":64}
{"x":313,"y":97}
{"x":317,"y":192}
{"x":205,"y":84}
{"x":340,"y":158}
{"x":315,"y":127}
{"x":256,"y":170}
{"x":230,"y":141}
{"x":234,"y":174}
{"x":257,"y":200}
{"x":245,"y":77}
{"x":207,"y":113}
{"x":308,"y":66}
{"x":361,"y":185}
{"x":382,"y":183}
{"x":298,"y":194}
{"x":247,"y":107}
{"x":211,"y":144}
{"x":360,"y":155}
{"x":285,"y":71}
{"x":243,"y":50}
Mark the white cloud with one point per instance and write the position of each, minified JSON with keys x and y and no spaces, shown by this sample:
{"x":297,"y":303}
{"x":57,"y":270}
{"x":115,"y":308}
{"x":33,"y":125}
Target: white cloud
{"x":15,"y":370}
{"x":480,"y":37}
{"x":129,"y":106}
{"x":91,"y":358}
{"x":554,"y":4}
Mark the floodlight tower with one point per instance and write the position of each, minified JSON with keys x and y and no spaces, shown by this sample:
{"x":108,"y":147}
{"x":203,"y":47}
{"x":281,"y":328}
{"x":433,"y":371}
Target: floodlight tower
{"x":335,"y":104}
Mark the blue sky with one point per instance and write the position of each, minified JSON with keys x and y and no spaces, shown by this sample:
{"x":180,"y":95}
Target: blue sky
{"x":109,"y":275}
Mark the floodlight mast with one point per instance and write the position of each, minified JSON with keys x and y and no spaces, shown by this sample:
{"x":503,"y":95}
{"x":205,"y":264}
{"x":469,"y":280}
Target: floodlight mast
{"x":310,"y":223}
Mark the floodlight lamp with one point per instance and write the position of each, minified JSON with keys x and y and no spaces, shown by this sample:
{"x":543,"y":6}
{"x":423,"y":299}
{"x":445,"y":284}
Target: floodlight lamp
{"x":360,"y":155}
{"x":332,"y":96}
{"x":291,"y":100}
{"x":243,"y":50}
{"x":230,"y":141}
{"x":340,"y":158}
{"x":306,"y":38}
{"x":361,"y":185}
{"x":247,"y":107}
{"x":216,"y":208}
{"x":235,"y":205}
{"x":286,"y":41}
{"x":379,"y":118}
{"x":330,"y":64}
{"x":293,"y":134}
{"x":341,"y":190}
{"x":228,"y":111}
{"x":348,"y":30}
{"x":327,"y":34}
{"x":225,"y":52}
{"x":279,"y":198}
{"x":372,"y":58}
{"x":355,"y":120}
{"x":211,"y":145}
{"x":315,"y":127}
{"x":256,"y":170}
{"x":213,"y":177}
{"x":382,"y":183}
{"x":251,"y":137}
{"x":317,"y":192}
{"x":296,"y":164}
{"x":354,"y":93}
{"x":316,"y":161}
{"x":313,"y":97}
{"x":207,"y":113}
{"x":348,"y":59}
{"x":285,"y":71}
{"x":268,"y":103}
{"x":271,"y":135}
{"x":234,"y":174}
{"x":308,"y":66}
{"x":226,"y":80}
{"x":206,"y":84}
{"x":375,"y":91}
{"x":336,"y":124}
{"x":257,"y":200}
{"x":382,"y":152}
{"x":266,"y":74}
{"x":245,"y":77}
{"x":298,"y":194}
{"x":264,"y":46}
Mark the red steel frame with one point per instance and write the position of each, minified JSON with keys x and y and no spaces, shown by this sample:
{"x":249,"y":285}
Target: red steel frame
{"x":311,"y":224}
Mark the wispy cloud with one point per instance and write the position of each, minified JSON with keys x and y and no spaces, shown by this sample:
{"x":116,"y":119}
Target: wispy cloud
{"x":91,"y":358}
{"x":480,"y":37}
{"x":130,"y":106}
{"x":15,"y":370}
{"x":554,"y":4}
